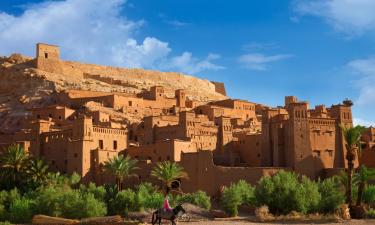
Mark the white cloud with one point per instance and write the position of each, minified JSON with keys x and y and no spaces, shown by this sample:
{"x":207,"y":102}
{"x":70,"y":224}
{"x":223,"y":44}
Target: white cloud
{"x":353,"y":17}
{"x":188,"y":64}
{"x":257,"y":61}
{"x":359,"y":121}
{"x":176,"y":23}
{"x":94,"y":31}
{"x":366,"y":69}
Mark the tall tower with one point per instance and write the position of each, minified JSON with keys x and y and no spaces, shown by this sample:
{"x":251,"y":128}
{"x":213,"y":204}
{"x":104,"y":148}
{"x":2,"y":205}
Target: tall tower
{"x":180,"y":97}
{"x":298,"y":151}
{"x":48,"y":58}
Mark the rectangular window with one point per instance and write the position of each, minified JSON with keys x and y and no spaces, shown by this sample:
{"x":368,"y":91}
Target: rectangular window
{"x":114,"y":145}
{"x":100,"y":144}
{"x":130,"y":103}
{"x":46,"y":55}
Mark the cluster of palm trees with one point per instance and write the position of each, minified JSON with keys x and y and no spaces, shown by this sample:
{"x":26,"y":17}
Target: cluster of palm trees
{"x":352,"y":137}
{"x":19,"y":169}
{"x":124,"y":167}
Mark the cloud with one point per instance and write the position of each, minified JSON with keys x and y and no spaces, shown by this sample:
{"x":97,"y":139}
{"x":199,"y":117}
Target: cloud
{"x":94,"y":31}
{"x":257,"y":61}
{"x":176,"y":23}
{"x":366,"y":69}
{"x":188,"y":64}
{"x":353,"y":17}
{"x":359,"y":121}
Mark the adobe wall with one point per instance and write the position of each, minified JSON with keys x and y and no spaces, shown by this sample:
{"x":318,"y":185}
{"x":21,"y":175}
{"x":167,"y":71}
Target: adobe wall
{"x":219,"y":87}
{"x":161,"y":151}
{"x":249,"y":148}
{"x":204,"y":175}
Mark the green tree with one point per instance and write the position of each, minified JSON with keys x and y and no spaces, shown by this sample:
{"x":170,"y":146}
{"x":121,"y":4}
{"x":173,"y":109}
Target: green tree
{"x":14,"y":162}
{"x":121,"y":167}
{"x":38,"y":172}
{"x":362,"y":178}
{"x":352,"y":137}
{"x":168,"y":172}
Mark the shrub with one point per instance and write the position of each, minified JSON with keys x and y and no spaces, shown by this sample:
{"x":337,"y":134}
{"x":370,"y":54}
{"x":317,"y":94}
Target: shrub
{"x":284,"y":193}
{"x":369,"y":195}
{"x":124,"y":202}
{"x":20,"y":211}
{"x":370,"y":214}
{"x":5,"y":223}
{"x":246,"y":191}
{"x":47,"y":201}
{"x":198,"y":198}
{"x":148,"y":197}
{"x":76,"y":205}
{"x":310,"y":196}
{"x":99,"y":192}
{"x":332,"y":197}
{"x":237,"y":194}
{"x":231,"y":199}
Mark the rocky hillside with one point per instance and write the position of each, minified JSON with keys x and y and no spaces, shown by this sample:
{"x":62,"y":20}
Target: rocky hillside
{"x":23,"y":87}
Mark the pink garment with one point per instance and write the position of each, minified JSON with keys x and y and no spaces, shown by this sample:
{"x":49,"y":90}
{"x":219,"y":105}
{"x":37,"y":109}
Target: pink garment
{"x":166,"y":205}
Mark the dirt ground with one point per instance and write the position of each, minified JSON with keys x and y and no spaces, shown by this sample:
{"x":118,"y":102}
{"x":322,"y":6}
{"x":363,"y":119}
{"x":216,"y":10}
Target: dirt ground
{"x":230,"y":222}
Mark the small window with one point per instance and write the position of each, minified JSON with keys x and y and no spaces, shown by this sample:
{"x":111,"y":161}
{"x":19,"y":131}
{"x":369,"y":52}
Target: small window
{"x":168,"y":158}
{"x":100,"y":144}
{"x":38,"y":116}
{"x":53,"y":162}
{"x":75,"y":155}
{"x":50,"y":115}
{"x":114,"y":145}
{"x":60,"y":118}
{"x":46,"y":55}
{"x":130,"y":103}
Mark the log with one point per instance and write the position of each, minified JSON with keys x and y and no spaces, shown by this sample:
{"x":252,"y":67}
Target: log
{"x":42,"y":219}
{"x":104,"y":219}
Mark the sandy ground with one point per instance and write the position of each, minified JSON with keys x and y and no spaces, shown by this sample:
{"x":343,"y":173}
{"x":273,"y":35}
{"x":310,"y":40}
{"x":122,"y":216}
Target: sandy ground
{"x":228,"y":222}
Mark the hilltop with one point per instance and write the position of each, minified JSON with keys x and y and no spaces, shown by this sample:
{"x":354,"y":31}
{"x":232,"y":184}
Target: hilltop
{"x":27,"y":83}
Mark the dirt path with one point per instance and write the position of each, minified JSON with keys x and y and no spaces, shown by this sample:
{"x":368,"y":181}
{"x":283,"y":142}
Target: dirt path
{"x":228,"y":222}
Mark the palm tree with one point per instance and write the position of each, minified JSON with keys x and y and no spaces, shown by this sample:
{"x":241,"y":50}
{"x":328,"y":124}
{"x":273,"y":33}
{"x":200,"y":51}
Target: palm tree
{"x":352,"y":137}
{"x":168,"y":172}
{"x":38,"y":171}
{"x":14,"y":162}
{"x":362,"y":178}
{"x":121,"y":167}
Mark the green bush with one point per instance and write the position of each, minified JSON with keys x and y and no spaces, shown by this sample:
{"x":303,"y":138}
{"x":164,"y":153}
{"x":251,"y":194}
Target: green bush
{"x":124,"y":202}
{"x":5,"y":223}
{"x":198,"y":198}
{"x":99,"y":192}
{"x":370,"y":214}
{"x":332,"y":197}
{"x":310,"y":196}
{"x":20,"y":211}
{"x":47,"y":201}
{"x":237,"y":194}
{"x":369,"y":195}
{"x":76,"y":205}
{"x":148,"y":197}
{"x":284,"y":193}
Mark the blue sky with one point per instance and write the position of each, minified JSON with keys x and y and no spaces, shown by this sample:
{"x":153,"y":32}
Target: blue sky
{"x":319,"y":50}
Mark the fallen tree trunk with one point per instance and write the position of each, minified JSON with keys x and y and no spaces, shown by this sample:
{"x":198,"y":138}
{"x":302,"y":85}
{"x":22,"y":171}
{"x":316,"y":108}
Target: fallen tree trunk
{"x":42,"y":219}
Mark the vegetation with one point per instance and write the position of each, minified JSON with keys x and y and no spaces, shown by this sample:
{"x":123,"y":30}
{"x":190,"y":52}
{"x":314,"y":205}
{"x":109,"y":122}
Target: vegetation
{"x":60,"y":195}
{"x":121,"y":167}
{"x":362,"y":178}
{"x":352,"y":136}
{"x":168,"y":173}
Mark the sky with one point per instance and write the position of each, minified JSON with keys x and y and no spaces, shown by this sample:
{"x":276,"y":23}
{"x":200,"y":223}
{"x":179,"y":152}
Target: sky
{"x":322,"y":51}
